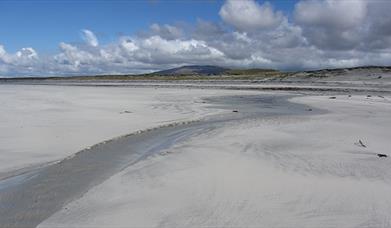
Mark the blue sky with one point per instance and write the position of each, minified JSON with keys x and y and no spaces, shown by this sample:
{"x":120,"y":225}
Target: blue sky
{"x":90,"y":37}
{"x":44,"y":24}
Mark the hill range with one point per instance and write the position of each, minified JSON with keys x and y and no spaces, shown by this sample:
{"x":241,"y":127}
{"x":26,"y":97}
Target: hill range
{"x":210,"y":72}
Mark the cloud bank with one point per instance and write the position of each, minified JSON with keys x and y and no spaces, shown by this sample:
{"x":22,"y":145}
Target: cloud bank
{"x":317,"y":34}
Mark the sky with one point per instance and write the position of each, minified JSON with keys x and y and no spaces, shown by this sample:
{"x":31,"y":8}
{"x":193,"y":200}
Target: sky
{"x":69,"y":37}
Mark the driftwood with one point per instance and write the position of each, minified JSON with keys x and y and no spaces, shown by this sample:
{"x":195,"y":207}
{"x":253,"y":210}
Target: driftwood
{"x":332,"y":97}
{"x":382,"y":155}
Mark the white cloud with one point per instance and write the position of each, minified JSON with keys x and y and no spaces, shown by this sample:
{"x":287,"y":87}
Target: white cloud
{"x":74,"y":59}
{"x":248,"y":15}
{"x":22,"y":57}
{"x":322,"y":33}
{"x":90,"y":38}
{"x":27,"y":53}
{"x":131,"y":55}
{"x":128,"y":45}
{"x":23,"y":62}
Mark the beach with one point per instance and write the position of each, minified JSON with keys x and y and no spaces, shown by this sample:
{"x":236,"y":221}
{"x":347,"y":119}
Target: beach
{"x":206,"y":158}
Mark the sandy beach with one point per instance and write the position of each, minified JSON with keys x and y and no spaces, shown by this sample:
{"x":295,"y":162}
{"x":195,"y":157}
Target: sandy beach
{"x":180,"y":157}
{"x":40,"y":124}
{"x":307,"y":170}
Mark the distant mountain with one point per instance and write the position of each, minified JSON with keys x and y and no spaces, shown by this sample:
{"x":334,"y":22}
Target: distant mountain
{"x":192,"y":70}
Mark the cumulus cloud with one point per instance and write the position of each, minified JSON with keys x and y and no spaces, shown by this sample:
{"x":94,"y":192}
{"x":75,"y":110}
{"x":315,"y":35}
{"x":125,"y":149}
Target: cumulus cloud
{"x":74,"y":58}
{"x":362,"y":25}
{"x":248,"y":15}
{"x":321,"y":33}
{"x":23,"y":55}
{"x":23,"y":62}
{"x":27,"y":53}
{"x":332,"y":24}
{"x":333,"y":14}
{"x":90,"y":38}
